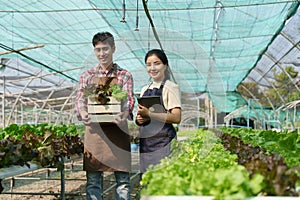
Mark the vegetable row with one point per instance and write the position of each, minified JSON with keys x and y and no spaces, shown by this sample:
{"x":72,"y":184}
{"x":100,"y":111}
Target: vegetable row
{"x":220,"y":163}
{"x":44,"y":144}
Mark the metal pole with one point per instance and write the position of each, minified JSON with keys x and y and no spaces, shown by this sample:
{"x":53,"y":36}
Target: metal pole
{"x":248,"y":112}
{"x":248,"y":120}
{"x":22,"y":114}
{"x":62,"y":177}
{"x":207,"y":110}
{"x":216,"y":117}
{"x":1,"y":187}
{"x":16,"y":115}
{"x":3,"y":103}
{"x":211,"y":112}
{"x":198,"y":116}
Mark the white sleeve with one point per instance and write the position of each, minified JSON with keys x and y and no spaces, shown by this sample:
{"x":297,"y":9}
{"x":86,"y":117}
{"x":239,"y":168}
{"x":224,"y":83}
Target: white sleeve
{"x":171,"y":95}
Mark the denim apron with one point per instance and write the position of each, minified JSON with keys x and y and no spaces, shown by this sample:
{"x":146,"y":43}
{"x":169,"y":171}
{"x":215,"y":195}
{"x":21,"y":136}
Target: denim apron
{"x":155,"y":137}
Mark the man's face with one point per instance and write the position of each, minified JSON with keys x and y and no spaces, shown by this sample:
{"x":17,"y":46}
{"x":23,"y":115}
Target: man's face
{"x":104,"y":53}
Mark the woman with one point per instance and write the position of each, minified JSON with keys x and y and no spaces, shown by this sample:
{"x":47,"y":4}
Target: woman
{"x":156,"y":129}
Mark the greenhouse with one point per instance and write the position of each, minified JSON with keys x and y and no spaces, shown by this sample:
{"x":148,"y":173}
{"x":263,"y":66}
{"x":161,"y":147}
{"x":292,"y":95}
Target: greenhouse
{"x":237,"y":63}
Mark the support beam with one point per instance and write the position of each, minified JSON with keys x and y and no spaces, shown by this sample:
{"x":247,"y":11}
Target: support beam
{"x":22,"y":49}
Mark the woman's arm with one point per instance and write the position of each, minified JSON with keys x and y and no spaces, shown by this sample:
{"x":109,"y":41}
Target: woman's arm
{"x":172,"y":116}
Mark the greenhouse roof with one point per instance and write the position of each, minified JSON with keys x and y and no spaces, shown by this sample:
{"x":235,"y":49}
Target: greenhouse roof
{"x":35,"y":86}
{"x":212,"y":46}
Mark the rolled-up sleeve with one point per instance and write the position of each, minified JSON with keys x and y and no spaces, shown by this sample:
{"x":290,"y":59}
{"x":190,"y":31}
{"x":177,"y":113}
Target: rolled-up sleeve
{"x":80,"y":100}
{"x":128,"y":87}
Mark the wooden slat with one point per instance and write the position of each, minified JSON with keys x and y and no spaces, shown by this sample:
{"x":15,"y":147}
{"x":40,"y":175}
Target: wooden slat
{"x":104,"y":108}
{"x":112,"y":101}
{"x":102,"y":118}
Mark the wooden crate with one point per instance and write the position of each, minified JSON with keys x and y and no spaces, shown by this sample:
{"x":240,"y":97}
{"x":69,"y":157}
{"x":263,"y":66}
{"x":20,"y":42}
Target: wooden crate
{"x":103,"y":113}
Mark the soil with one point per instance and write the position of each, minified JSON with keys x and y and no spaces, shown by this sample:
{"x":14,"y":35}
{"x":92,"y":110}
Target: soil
{"x":32,"y":185}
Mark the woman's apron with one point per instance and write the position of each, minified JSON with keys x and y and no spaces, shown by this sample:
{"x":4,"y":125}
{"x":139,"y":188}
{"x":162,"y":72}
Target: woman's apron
{"x":107,"y":147}
{"x":155,"y":137}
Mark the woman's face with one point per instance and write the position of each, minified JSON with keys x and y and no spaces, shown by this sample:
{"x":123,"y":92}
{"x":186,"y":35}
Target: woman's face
{"x":155,"y":68}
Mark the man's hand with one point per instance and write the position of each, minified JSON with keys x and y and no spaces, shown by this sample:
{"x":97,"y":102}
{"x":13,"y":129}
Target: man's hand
{"x":121,"y":117}
{"x":85,"y":117}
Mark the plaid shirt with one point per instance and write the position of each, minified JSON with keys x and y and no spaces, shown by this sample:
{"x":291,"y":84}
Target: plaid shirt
{"x":124,"y":78}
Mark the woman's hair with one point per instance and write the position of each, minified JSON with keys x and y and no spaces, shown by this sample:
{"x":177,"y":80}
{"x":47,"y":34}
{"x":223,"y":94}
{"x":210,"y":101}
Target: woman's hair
{"x":105,"y":37}
{"x":163,"y":57}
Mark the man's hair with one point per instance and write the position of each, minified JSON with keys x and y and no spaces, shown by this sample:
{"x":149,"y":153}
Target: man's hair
{"x":104,"y":37}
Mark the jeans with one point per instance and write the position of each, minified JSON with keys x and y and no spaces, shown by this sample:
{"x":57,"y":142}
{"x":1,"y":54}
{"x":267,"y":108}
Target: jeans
{"x":94,"y":185}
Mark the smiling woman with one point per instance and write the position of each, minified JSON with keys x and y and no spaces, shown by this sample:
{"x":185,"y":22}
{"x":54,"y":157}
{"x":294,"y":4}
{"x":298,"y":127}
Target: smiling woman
{"x":156,"y":129}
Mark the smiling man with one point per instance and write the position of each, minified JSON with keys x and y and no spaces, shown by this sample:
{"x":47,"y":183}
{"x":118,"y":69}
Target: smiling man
{"x":106,"y":144}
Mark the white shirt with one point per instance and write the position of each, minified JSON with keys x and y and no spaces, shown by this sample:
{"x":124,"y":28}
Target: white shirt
{"x":170,"y":94}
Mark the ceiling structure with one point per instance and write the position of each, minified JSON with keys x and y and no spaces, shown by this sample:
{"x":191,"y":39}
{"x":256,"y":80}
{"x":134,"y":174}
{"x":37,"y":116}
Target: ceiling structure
{"x":35,"y":86}
{"x":212,"y":46}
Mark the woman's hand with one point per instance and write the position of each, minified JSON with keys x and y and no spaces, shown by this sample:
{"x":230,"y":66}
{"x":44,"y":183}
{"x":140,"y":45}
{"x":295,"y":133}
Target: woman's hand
{"x":141,"y":120}
{"x":143,"y":111}
{"x":172,"y":116}
{"x":142,"y":116}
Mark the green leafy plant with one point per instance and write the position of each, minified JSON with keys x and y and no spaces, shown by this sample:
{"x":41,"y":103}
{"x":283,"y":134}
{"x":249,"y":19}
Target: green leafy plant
{"x":102,"y":93}
{"x":44,"y":144}
{"x":271,"y":154}
{"x":200,"y":166}
{"x":118,"y":93}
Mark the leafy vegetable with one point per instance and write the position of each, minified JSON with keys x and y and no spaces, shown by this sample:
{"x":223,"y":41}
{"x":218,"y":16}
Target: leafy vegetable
{"x":118,"y":93}
{"x":43,"y":143}
{"x":200,"y":166}
{"x":262,"y":152}
{"x":102,"y":92}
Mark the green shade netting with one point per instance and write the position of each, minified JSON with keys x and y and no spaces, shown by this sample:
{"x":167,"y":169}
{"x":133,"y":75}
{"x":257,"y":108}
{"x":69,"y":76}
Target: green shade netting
{"x":212,"y":45}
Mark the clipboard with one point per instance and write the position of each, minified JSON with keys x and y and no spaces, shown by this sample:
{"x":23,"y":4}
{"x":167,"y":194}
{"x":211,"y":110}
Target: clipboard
{"x":149,"y":101}
{"x":152,"y":102}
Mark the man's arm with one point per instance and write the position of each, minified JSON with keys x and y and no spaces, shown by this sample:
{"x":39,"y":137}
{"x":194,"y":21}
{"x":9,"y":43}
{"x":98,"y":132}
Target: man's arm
{"x":81,"y":101}
{"x":129,"y":105}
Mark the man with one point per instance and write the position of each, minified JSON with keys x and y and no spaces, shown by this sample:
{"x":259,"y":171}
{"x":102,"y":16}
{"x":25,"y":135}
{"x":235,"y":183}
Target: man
{"x":106,"y":144}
